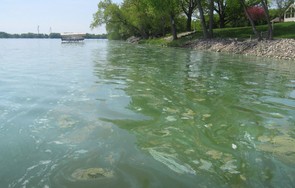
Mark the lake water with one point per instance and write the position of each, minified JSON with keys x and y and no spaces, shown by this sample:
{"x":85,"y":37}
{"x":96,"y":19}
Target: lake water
{"x":111,"y":114}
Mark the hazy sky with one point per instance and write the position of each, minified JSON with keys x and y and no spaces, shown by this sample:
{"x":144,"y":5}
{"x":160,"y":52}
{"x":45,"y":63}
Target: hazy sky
{"x":23,"y":16}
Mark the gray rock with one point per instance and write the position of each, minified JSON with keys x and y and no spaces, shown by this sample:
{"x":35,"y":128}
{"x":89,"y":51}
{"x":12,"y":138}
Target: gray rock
{"x":133,"y":40}
{"x":279,"y":48}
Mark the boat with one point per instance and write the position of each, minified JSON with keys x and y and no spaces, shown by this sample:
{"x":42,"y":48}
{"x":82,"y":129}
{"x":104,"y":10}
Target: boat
{"x":72,"y":37}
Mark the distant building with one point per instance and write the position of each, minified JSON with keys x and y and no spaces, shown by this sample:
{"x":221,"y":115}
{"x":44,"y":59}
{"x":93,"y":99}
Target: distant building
{"x":289,"y":15}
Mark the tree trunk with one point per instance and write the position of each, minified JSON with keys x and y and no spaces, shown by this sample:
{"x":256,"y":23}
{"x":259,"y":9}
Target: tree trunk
{"x":221,"y":21}
{"x":266,"y":12}
{"x":203,"y":22}
{"x":250,"y":20}
{"x":173,"y":27}
{"x":144,"y":34}
{"x":211,"y":19}
{"x":221,"y":12}
{"x":188,"y":7}
{"x":163,"y":26}
{"x":189,"y":22}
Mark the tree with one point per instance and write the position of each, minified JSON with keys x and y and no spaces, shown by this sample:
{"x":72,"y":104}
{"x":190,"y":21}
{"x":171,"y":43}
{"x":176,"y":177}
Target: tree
{"x":202,"y":20}
{"x":188,"y":7}
{"x":119,"y":21}
{"x":234,"y":13}
{"x":259,"y":13}
{"x":170,"y":8}
{"x":136,"y":13}
{"x":250,"y":19}
{"x":211,"y":17}
{"x":4,"y":35}
{"x":110,"y":15}
{"x":221,"y":11}
{"x":266,"y":12}
{"x":54,"y":35}
{"x":256,"y":13}
{"x":141,"y":18}
{"x":229,"y":12}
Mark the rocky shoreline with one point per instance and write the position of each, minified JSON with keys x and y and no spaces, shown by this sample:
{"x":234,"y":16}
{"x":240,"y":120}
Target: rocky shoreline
{"x":278,"y":48}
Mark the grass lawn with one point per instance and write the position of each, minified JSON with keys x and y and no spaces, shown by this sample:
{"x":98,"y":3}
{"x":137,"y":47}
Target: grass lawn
{"x":281,"y":30}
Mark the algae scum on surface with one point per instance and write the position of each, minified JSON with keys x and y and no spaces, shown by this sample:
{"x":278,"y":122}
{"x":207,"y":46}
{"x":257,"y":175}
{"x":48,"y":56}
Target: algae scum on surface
{"x":92,"y":173}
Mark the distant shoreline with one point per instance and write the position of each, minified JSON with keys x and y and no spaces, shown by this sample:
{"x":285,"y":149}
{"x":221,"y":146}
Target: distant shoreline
{"x":5,"y":35}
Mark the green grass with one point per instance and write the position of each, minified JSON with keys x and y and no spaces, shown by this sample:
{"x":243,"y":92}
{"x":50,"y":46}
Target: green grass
{"x":155,"y":41}
{"x":239,"y":32}
{"x":176,"y":43}
{"x":281,"y":30}
{"x":284,"y":30}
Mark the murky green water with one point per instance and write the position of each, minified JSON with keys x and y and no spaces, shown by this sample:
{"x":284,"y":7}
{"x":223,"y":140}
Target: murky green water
{"x":109,"y":114}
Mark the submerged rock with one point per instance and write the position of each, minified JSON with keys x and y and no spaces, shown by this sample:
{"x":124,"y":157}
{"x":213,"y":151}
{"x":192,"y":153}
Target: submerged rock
{"x":264,"y":138}
{"x":206,"y":165}
{"x":188,"y":115}
{"x":214,"y":154}
{"x":92,"y":173}
{"x":66,"y":121}
{"x":281,"y":146}
{"x":171,"y":118}
{"x":230,"y":167}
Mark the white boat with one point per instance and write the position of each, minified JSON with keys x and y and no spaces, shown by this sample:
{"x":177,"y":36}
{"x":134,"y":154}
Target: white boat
{"x":72,"y":37}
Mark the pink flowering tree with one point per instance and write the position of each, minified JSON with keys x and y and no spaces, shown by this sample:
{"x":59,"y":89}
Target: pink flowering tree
{"x":257,"y":13}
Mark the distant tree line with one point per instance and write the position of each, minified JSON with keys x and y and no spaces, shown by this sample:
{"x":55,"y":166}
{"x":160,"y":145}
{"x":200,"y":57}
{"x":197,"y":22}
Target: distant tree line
{"x":46,"y":36}
{"x":153,"y":18}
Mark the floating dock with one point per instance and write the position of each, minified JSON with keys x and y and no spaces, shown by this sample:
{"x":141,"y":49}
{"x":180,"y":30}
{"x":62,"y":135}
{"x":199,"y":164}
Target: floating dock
{"x":72,"y":37}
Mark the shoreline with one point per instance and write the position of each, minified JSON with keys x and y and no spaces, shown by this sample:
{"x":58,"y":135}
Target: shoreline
{"x":277,"y":48}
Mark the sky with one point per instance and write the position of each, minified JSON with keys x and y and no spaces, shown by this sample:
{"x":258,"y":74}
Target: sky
{"x":23,"y":16}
